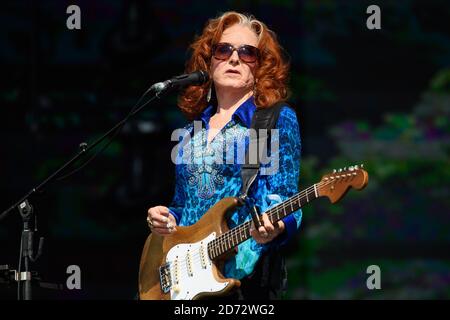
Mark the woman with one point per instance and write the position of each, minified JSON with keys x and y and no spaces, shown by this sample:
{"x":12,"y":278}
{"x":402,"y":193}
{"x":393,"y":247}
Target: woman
{"x":247,"y":71}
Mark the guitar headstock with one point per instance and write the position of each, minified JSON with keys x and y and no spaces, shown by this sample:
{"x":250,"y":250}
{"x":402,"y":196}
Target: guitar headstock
{"x":335,"y":185}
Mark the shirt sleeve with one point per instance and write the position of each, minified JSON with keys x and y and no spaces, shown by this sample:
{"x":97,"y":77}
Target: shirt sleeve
{"x":179,"y":197}
{"x":286,"y":178}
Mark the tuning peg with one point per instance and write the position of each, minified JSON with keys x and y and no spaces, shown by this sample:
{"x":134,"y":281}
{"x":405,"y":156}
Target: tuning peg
{"x":356,"y":167}
{"x":345,"y":168}
{"x":340,"y":170}
{"x":362,"y":165}
{"x":350,"y":168}
{"x":334,"y":170}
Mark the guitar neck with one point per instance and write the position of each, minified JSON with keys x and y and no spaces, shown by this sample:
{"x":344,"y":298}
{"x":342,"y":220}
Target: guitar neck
{"x":230,"y":239}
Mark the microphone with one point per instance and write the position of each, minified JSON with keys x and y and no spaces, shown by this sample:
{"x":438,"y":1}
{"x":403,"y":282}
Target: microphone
{"x":192,"y":79}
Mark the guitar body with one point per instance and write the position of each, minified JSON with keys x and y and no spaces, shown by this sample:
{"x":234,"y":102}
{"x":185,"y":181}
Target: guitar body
{"x":189,"y":272}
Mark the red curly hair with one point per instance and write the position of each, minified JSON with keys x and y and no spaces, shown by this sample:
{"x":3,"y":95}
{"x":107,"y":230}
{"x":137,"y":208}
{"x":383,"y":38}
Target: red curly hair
{"x":272,"y":71}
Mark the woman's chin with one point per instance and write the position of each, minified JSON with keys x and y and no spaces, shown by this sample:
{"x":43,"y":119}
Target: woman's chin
{"x":231,"y":84}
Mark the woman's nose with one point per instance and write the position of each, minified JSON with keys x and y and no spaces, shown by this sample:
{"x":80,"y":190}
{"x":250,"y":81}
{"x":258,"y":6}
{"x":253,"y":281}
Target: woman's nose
{"x":234,"y":58}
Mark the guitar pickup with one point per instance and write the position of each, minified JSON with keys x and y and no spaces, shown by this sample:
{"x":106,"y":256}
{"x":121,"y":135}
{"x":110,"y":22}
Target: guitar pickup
{"x":165,"y":278}
{"x":189,"y":264}
{"x":202,"y":255}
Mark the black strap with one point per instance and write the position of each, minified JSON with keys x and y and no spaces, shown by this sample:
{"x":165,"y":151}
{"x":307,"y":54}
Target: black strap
{"x":263,"y":118}
{"x":271,"y":270}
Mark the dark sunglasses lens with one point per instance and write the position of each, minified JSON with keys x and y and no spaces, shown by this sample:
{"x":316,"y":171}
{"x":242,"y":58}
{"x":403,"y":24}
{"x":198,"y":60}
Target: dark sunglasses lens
{"x":248,"y":53}
{"x":222,"y":51}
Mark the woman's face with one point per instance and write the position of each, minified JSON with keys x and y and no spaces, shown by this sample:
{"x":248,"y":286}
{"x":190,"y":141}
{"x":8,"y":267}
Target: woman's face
{"x":233,"y":73}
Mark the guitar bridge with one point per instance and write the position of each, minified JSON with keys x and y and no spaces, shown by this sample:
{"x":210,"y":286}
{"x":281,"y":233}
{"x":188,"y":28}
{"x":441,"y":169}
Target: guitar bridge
{"x":165,"y":278}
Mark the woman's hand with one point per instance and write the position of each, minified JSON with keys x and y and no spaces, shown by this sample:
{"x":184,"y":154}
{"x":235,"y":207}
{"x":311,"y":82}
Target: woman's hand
{"x":161,"y":221}
{"x":267,"y":231}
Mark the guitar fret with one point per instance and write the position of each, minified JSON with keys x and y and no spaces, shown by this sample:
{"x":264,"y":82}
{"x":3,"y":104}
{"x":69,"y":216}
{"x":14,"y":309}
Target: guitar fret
{"x":210,"y":250}
{"x":217,"y":247}
{"x":234,"y":237}
{"x":300,"y":199}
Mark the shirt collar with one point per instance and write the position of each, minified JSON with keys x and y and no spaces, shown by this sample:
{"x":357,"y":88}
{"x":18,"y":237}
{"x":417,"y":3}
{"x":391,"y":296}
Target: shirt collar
{"x":244,"y":113}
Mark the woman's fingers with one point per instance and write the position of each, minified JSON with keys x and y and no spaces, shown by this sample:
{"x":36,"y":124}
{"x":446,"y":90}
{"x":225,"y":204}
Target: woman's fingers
{"x":158,"y":224}
{"x":161,"y":221}
{"x":159,"y":214}
{"x":163,"y":210}
{"x":268,"y":226}
{"x":266,"y":232}
{"x":164,"y":231}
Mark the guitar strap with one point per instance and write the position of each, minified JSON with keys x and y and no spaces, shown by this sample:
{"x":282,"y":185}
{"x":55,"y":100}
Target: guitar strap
{"x":270,"y":273}
{"x":263,"y":118}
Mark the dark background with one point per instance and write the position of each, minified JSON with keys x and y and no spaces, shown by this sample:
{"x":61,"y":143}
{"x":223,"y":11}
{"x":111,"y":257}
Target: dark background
{"x":378,"y":97}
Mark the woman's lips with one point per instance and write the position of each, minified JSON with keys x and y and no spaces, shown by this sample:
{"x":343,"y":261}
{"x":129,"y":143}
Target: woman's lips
{"x":232,"y":71}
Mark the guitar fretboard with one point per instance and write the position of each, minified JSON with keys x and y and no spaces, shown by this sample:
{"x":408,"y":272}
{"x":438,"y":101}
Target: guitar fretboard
{"x":230,"y":239}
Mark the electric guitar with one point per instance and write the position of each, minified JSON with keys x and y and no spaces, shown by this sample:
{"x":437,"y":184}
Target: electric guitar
{"x":187,"y":265}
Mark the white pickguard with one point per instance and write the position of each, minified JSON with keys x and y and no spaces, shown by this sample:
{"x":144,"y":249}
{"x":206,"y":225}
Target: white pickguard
{"x":191,"y":271}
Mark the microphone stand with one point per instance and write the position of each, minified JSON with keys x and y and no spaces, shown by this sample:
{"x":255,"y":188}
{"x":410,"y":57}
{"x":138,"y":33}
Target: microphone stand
{"x":26,"y":210}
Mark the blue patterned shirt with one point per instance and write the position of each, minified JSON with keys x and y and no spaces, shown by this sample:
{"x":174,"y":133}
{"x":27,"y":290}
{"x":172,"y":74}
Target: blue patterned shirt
{"x":213,"y":172}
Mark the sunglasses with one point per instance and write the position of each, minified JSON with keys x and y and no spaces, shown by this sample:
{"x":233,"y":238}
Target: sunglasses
{"x":247,"y":53}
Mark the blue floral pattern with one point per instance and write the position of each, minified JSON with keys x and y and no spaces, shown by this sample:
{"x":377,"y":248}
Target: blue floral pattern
{"x":214,"y":173}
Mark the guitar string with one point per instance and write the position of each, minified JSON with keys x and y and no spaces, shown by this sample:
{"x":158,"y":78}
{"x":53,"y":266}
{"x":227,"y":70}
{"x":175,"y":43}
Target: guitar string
{"x":196,"y":256}
{"x":233,"y":233}
{"x":183,"y":264}
{"x":219,"y":246}
{"x":237,"y":232}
